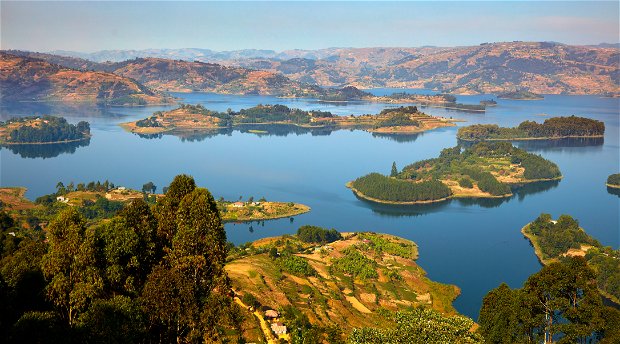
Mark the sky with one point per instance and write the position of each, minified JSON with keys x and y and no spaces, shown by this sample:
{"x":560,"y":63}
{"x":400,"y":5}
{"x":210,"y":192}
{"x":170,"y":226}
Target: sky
{"x":92,"y":26}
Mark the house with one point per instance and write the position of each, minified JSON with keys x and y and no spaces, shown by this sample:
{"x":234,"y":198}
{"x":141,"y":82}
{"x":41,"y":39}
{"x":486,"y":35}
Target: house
{"x":278,"y":328}
{"x":62,"y":199}
{"x":121,"y":188}
{"x":238,"y":205}
{"x":270,"y":313}
{"x":255,"y":203}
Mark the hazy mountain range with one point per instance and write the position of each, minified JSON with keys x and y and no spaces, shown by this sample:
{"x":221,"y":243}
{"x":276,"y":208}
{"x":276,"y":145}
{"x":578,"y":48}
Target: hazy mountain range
{"x":540,"y":67}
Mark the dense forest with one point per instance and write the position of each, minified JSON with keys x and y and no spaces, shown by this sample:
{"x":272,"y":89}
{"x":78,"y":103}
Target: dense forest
{"x":555,"y":238}
{"x":317,"y":234}
{"x":385,"y":188}
{"x":559,"y":303}
{"x":45,"y":130}
{"x":520,"y":95}
{"x":614,"y":180}
{"x":556,"y":127}
{"x":113,"y":282}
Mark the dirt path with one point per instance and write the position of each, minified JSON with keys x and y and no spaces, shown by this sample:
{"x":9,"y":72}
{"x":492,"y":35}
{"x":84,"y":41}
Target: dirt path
{"x":263,"y":323}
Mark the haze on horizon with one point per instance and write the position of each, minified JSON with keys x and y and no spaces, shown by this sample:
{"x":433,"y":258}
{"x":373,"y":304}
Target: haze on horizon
{"x":223,"y":26}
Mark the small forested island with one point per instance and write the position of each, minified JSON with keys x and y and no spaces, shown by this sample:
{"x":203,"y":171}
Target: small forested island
{"x":613,"y":181}
{"x":520,"y":95}
{"x":196,"y":118}
{"x":555,"y":241}
{"x":42,"y":130}
{"x":484,"y":170}
{"x":550,"y":129}
{"x":325,"y":286}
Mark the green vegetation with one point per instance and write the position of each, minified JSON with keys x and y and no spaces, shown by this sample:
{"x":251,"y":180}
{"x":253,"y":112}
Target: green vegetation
{"x":614,"y":180}
{"x":384,"y":188}
{"x":145,"y":275}
{"x":295,"y":265}
{"x":490,"y":167}
{"x":44,"y":129}
{"x":355,"y":264}
{"x":380,"y":245}
{"x":560,"y":302}
{"x":554,"y":240}
{"x":419,"y":325}
{"x":317,"y":234}
{"x":552,"y":128}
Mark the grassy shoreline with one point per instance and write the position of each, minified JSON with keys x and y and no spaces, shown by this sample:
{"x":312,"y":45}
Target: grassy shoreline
{"x":296,"y":210}
{"x":7,"y":143}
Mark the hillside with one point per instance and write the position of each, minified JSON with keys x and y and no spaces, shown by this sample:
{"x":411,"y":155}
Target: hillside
{"x":30,"y":79}
{"x":348,"y":283}
{"x":544,"y":68}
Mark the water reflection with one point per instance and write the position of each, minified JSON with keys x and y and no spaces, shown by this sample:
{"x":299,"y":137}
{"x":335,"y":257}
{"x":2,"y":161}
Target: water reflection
{"x":519,"y":193}
{"x":548,"y":145}
{"x":614,"y":191}
{"x":46,"y":150}
{"x":266,"y":130}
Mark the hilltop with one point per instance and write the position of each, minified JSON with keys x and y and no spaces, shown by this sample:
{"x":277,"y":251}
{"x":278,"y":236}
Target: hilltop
{"x":31,"y":79}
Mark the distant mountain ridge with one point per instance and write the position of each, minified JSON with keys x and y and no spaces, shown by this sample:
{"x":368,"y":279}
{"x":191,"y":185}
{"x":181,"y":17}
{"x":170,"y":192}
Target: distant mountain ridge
{"x":539,"y":67}
{"x":31,"y":79}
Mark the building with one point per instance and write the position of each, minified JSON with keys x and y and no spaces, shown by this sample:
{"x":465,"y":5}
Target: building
{"x":238,"y":205}
{"x":62,"y":199}
{"x":278,"y":328}
{"x":270,"y":313}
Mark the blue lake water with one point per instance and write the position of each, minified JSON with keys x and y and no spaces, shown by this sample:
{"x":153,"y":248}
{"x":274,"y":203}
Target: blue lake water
{"x":475,"y":245}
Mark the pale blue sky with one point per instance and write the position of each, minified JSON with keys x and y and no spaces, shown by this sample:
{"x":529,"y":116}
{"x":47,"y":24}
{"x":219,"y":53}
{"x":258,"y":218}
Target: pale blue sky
{"x":92,"y":26}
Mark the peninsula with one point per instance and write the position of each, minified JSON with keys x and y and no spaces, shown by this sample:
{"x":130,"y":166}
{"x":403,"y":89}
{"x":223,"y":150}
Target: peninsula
{"x":556,"y":240}
{"x":613,"y":181}
{"x":551,"y":129}
{"x":42,"y":130}
{"x":484,"y":170}
{"x":336,"y":280}
{"x":196,"y":118}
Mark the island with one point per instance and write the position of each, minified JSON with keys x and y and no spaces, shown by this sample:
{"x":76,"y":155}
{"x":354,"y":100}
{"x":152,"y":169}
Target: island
{"x":484,"y":170}
{"x":339,"y":283}
{"x":259,"y":210}
{"x":551,"y":129}
{"x":613,"y":181}
{"x":42,"y":130}
{"x":442,"y":100}
{"x":554,"y":241}
{"x":196,"y":118}
{"x":520,"y":95}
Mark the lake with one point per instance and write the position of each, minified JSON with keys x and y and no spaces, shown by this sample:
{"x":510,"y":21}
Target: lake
{"x":474,"y":245}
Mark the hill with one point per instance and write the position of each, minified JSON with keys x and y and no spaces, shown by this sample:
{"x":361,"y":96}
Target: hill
{"x":31,"y":79}
{"x":348,"y":283}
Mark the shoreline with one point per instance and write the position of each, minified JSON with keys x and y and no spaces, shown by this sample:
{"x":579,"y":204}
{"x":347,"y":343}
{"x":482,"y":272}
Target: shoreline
{"x":453,"y":196}
{"x":536,"y":138}
{"x":613,"y":186}
{"x":8,"y":143}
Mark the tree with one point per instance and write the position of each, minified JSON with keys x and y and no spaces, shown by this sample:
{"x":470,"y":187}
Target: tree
{"x":559,"y":301}
{"x":394,"y":172}
{"x":149,"y":187}
{"x":70,"y":265}
{"x":166,"y":209}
